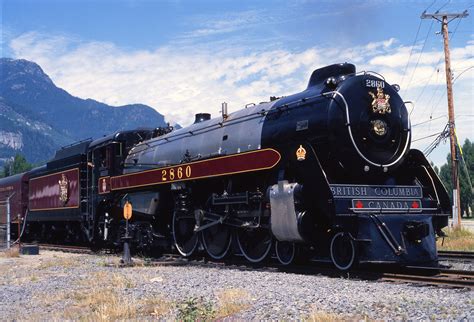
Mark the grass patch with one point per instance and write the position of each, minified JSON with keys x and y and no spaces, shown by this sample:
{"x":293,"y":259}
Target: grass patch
{"x":121,"y":281}
{"x":194,"y":309}
{"x":112,"y":280}
{"x":458,"y":239}
{"x":10,"y":253}
{"x":58,"y":262}
{"x":110,"y":301}
{"x":155,"y":307}
{"x":100,"y":305}
{"x":232,"y":301}
{"x":321,"y":316}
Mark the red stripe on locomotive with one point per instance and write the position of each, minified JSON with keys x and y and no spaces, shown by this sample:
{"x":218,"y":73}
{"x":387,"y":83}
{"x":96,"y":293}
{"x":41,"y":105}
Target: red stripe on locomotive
{"x":226,"y":165}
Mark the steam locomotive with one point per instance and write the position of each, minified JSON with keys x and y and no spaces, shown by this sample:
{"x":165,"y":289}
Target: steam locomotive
{"x":326,"y":173}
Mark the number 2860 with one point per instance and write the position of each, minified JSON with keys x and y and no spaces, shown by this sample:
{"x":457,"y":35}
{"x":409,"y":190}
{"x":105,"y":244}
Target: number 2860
{"x":374,"y":83}
{"x":177,"y":173}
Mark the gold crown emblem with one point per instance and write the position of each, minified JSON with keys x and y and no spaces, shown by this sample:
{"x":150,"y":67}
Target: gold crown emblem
{"x":63,"y":189}
{"x":301,"y":153}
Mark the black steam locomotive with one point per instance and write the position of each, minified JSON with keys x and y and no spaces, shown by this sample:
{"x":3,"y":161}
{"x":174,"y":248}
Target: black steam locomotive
{"x":326,"y":173}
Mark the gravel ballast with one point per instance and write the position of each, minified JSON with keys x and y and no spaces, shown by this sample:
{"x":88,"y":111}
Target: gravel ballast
{"x":61,"y":285}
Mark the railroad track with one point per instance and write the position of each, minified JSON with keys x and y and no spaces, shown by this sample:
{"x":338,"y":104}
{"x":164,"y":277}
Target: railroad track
{"x":417,"y":275}
{"x":75,"y":249}
{"x":423,"y":276}
{"x":66,"y":248}
{"x":457,"y":255}
{"x":445,"y":277}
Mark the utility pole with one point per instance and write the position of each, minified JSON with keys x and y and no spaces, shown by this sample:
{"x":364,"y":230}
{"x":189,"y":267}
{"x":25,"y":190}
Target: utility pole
{"x":443,"y":18}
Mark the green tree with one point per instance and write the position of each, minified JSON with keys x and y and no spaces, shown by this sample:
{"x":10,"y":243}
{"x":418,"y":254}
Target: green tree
{"x":18,"y":165}
{"x":466,"y":175}
{"x":435,"y":168}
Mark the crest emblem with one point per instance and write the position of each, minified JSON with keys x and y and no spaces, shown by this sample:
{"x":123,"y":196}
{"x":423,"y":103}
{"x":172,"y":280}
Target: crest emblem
{"x":301,"y":153}
{"x":380,"y":102}
{"x":104,"y":185}
{"x":63,"y":189}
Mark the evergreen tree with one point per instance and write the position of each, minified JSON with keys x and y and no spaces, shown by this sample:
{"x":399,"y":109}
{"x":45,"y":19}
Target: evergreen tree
{"x":18,"y":165}
{"x":466,"y":177}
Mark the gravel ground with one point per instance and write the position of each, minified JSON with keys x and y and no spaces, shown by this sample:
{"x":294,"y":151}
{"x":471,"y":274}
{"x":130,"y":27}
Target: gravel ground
{"x":57,"y":285}
{"x":458,"y":265}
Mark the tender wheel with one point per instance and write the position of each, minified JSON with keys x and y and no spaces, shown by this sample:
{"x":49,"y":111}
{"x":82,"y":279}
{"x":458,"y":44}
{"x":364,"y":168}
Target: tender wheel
{"x":216,"y":240}
{"x":254,"y":243}
{"x":342,"y":250}
{"x":185,"y":238}
{"x":285,"y":252}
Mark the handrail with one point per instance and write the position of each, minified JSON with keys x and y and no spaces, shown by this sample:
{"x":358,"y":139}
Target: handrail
{"x":348,"y":125}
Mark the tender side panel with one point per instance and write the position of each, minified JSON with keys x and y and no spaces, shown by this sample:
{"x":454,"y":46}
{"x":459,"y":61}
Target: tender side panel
{"x":55,"y":191}
{"x":16,"y":187}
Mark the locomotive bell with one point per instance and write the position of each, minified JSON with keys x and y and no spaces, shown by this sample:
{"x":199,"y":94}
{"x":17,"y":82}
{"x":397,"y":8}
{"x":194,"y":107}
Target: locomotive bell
{"x":201,"y":117}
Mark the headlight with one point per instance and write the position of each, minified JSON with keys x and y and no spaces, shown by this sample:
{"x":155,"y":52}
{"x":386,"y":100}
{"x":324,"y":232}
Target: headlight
{"x":379,"y":127}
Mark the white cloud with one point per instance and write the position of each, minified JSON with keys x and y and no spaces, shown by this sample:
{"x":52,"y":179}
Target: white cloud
{"x":224,"y":23}
{"x":179,"y":82}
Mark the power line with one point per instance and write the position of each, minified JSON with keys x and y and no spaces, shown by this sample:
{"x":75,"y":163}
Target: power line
{"x":439,"y":86}
{"x":465,"y":70}
{"x":444,"y":19}
{"x":443,"y":94}
{"x":428,"y":121}
{"x":433,"y":145}
{"x":429,"y":79}
{"x":427,"y":137}
{"x":411,"y":52}
{"x":421,"y":53}
{"x":436,"y":70}
{"x":431,"y":5}
{"x":444,"y":5}
{"x":413,"y":45}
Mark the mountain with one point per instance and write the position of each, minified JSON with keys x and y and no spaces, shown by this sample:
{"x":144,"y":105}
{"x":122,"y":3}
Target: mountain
{"x":37,"y":117}
{"x":21,"y":132}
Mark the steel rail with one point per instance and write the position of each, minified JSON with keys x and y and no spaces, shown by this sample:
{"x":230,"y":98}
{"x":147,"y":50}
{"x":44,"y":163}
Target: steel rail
{"x":443,"y":279}
{"x":460,"y":255}
{"x":439,"y":276}
{"x":66,"y":248}
{"x":428,"y":276}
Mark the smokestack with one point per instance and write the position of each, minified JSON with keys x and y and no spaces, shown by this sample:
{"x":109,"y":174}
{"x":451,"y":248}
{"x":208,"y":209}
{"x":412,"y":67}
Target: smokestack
{"x":201,"y":117}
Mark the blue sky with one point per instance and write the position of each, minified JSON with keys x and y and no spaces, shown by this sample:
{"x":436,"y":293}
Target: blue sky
{"x":184,"y":57}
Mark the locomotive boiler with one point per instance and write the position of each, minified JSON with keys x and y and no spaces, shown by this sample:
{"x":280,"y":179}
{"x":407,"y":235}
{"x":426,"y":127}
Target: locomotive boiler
{"x":327,"y":173}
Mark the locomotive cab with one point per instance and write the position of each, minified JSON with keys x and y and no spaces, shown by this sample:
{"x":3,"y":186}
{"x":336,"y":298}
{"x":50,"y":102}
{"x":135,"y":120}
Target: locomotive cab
{"x":108,"y":153}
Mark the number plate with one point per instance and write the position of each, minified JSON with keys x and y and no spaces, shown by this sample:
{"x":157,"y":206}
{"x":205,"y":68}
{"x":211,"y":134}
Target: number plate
{"x":373,"y":83}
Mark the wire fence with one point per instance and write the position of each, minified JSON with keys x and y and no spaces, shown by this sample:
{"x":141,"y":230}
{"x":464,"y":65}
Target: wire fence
{"x":3,"y":237}
{"x":4,"y":231}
